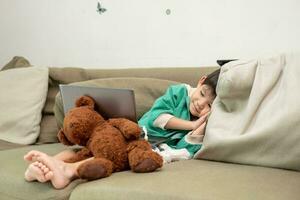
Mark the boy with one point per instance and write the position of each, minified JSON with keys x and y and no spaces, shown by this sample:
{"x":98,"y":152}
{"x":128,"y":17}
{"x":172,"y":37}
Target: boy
{"x":177,"y":119}
{"x":175,"y":125}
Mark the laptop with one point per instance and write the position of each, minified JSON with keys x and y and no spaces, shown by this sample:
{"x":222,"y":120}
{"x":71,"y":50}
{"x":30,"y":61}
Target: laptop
{"x":110,"y":102}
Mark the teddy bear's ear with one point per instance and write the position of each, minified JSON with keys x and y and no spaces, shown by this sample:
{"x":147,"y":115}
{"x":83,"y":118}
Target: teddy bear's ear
{"x":85,"y":101}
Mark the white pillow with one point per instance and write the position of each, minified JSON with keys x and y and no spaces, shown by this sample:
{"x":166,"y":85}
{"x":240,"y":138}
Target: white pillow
{"x":255,"y":118}
{"x":23,"y":95}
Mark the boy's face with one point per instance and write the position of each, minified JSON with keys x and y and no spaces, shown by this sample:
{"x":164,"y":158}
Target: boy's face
{"x":201,"y":99}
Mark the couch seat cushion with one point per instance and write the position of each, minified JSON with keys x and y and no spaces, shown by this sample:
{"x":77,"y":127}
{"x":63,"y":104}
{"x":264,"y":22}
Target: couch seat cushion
{"x":13,"y":184}
{"x":192,"y":179}
{"x":4,"y":145}
{"x":195,"y":179}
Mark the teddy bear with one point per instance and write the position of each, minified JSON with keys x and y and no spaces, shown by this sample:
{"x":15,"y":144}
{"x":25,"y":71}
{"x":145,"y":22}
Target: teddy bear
{"x":114,"y":143}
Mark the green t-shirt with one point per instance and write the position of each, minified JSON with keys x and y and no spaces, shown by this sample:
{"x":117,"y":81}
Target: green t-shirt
{"x":174,"y":102}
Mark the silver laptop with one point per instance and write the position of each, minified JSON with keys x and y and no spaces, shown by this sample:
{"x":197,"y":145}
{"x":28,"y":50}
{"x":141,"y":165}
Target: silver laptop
{"x":110,"y":103}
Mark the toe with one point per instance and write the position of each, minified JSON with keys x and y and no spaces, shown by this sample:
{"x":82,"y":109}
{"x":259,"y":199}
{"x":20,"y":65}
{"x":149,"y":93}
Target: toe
{"x":46,"y":170}
{"x":28,"y":156}
{"x":41,"y":178}
{"x":32,"y":155}
{"x":49,"y":175}
{"x":40,"y":165}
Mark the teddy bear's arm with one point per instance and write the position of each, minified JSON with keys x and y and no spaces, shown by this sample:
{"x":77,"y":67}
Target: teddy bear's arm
{"x":129,"y":129}
{"x":142,"y":158}
{"x":62,"y":138}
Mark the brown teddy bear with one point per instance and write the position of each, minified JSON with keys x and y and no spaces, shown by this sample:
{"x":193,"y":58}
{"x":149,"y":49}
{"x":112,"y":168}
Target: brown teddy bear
{"x":115,"y":143}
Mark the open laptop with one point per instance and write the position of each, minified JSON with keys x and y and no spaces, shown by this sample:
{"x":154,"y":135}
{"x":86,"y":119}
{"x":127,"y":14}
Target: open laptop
{"x":110,"y":102}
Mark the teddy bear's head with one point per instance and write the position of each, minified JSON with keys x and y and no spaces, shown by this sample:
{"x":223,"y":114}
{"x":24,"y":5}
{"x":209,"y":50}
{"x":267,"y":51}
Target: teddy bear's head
{"x":81,"y":120}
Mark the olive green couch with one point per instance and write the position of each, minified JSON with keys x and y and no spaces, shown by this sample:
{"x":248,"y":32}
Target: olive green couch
{"x":191,"y":179}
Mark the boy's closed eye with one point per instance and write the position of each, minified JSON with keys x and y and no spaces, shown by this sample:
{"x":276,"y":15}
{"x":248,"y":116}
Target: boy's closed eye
{"x":202,"y":93}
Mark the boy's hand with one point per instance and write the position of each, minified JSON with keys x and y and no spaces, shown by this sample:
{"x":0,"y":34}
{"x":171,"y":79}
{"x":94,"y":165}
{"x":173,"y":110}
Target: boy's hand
{"x":180,"y":124}
{"x":199,"y":122}
{"x":200,"y":130}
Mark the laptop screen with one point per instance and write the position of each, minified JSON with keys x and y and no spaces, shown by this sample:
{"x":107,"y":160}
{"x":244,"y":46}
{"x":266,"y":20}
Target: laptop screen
{"x":110,"y":102}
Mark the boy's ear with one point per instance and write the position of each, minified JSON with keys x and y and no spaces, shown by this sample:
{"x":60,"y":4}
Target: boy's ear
{"x":201,"y":81}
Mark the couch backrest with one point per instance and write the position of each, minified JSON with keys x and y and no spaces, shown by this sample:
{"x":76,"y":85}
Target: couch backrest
{"x":70,"y":75}
{"x":57,"y":75}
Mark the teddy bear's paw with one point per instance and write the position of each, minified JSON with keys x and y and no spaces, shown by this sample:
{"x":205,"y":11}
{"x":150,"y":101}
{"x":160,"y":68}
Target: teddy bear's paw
{"x":95,"y":169}
{"x":147,"y":165}
{"x":144,"y":161}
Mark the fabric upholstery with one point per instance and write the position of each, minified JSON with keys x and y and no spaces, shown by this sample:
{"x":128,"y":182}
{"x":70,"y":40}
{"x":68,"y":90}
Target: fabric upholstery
{"x":184,"y":180}
{"x":49,"y":130}
{"x":16,"y":62}
{"x":255,"y":118}
{"x":195,"y":180}
{"x":4,"y":145}
{"x":189,"y":75}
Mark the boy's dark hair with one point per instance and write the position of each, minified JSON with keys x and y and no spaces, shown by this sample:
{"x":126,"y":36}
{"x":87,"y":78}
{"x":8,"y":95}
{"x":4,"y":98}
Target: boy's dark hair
{"x":212,"y":80}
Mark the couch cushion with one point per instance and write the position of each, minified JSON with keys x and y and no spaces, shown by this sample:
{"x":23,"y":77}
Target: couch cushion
{"x":146,"y":90}
{"x":49,"y":130}
{"x":189,"y":75}
{"x":25,"y":92}
{"x":4,"y":145}
{"x":52,"y":92}
{"x":48,"y":125}
{"x":16,"y":62}
{"x":195,"y":179}
{"x":13,"y":184}
{"x":192,"y":179}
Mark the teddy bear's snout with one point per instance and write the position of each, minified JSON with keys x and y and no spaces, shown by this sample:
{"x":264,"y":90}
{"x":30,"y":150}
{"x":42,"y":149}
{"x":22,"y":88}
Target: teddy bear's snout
{"x":79,"y":132}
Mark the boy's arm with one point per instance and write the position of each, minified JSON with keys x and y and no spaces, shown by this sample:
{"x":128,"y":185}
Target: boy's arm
{"x":179,"y":124}
{"x":176,"y":123}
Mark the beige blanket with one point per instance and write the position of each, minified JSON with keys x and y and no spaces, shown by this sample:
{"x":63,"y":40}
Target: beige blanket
{"x":255,"y":118}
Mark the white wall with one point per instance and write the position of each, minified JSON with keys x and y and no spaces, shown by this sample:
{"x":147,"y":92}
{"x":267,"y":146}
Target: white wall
{"x":139,"y":33}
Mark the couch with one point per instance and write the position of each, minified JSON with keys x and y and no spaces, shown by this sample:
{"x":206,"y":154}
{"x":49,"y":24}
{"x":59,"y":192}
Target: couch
{"x":190,"y":179}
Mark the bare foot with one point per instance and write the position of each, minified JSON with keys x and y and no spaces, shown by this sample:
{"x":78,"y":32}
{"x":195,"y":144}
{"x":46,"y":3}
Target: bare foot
{"x":32,"y":155}
{"x":37,"y":171}
{"x":60,"y":173}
